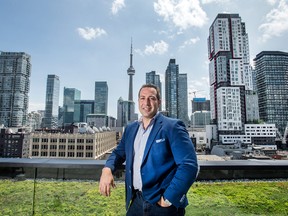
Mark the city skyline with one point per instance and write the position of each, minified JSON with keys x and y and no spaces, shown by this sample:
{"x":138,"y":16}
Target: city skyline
{"x":84,"y":41}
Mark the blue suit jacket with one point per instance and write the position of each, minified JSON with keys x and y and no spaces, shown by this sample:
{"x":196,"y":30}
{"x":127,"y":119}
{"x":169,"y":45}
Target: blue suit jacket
{"x":169,"y":165}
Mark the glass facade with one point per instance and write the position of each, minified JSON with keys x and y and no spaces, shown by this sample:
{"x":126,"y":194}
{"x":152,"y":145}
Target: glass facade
{"x":153,"y":78}
{"x":171,"y":88}
{"x":52,"y":102}
{"x":70,"y":95}
{"x":15,"y":71}
{"x":271,"y":69}
{"x":183,"y":97}
{"x":125,"y":112}
{"x":82,"y":108}
{"x":101,"y":98}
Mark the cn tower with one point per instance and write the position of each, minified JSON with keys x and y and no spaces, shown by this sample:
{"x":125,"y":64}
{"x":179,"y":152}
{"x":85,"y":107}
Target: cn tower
{"x":131,"y":72}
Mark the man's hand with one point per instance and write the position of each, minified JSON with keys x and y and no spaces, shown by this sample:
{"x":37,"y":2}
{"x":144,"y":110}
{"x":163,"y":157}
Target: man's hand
{"x":106,"y":182}
{"x":162,"y":203}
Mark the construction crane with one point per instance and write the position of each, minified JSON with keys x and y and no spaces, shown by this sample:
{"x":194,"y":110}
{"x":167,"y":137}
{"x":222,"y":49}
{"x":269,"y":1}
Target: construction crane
{"x":194,"y":92}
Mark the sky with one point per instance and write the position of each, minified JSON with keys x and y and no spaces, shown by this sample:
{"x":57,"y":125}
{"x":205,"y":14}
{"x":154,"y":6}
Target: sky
{"x":83,"y":41}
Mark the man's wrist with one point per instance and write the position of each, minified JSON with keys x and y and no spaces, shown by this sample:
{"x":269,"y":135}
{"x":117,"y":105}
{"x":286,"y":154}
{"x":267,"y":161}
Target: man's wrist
{"x":106,"y":169}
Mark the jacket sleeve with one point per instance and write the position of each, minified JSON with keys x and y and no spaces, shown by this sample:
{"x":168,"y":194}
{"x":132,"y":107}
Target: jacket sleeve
{"x":186,"y":161}
{"x":118,"y":156}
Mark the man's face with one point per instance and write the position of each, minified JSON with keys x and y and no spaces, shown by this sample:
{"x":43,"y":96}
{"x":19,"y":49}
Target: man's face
{"x":148,"y":102}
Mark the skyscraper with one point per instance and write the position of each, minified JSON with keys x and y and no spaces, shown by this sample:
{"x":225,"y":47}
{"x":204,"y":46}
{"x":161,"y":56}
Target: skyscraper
{"x":101,"y":98}
{"x":153,"y":78}
{"x":272,"y":85}
{"x":125,"y":114}
{"x":122,"y":112}
{"x":82,"y":108}
{"x":131,"y":72}
{"x":183,"y":99}
{"x":171,"y":88}
{"x":15,"y":71}
{"x":70,"y":95}
{"x":230,"y":73}
{"x":52,"y":102}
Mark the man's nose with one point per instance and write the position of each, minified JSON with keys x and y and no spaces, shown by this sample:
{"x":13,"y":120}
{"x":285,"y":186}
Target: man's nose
{"x":147,"y":101}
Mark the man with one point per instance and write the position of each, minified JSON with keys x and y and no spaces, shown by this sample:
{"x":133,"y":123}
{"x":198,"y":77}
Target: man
{"x":161,"y":163}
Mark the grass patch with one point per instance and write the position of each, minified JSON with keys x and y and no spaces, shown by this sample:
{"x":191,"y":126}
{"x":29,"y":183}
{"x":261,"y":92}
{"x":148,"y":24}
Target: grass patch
{"x":82,"y":198}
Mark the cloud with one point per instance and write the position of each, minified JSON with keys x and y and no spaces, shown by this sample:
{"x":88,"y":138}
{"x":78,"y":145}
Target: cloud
{"x":33,"y":106}
{"x":214,"y":1}
{"x":190,"y":42}
{"x":183,"y":13}
{"x":272,"y":2}
{"x":157,"y":48}
{"x":90,"y":33}
{"x":117,"y":5}
{"x":276,"y":22}
{"x":198,"y":87}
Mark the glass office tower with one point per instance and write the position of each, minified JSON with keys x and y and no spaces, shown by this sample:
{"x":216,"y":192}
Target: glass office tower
{"x":183,"y":99}
{"x":171,"y":88}
{"x":101,"y":98}
{"x":52,"y":102}
{"x":82,"y":108}
{"x":272,"y":85}
{"x":153,"y":78}
{"x":70,"y":96}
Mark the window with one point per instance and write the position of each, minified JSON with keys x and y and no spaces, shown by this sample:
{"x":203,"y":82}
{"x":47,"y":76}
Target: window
{"x":35,"y":140}
{"x":62,"y":147}
{"x":89,"y":154}
{"x":80,"y":140}
{"x":71,"y":154}
{"x":52,"y":154}
{"x":44,"y":146}
{"x":53,"y":146}
{"x":44,"y":154}
{"x":53,"y":140}
{"x":34,"y":153}
{"x":35,"y":146}
{"x":71,"y":147}
{"x":80,"y":147}
{"x":89,"y":147}
{"x":80,"y":154}
{"x":61,"y":154}
{"x":89,"y":140}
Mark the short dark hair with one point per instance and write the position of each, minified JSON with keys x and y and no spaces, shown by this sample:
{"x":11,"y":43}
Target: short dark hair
{"x":150,"y":86}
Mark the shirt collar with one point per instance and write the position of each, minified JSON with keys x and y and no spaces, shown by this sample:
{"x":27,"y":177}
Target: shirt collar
{"x":140,"y":121}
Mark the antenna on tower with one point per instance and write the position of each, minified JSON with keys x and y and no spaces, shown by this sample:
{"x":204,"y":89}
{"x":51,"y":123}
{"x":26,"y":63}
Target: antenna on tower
{"x":131,"y":70}
{"x":131,"y":54}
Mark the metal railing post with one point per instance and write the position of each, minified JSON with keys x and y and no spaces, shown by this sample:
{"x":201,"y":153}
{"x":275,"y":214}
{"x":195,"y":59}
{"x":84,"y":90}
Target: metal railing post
{"x":34,"y":191}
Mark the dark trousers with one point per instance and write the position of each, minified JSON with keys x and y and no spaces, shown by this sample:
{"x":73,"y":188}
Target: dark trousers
{"x":140,"y":207}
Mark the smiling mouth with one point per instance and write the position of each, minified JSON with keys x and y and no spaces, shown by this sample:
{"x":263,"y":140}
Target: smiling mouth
{"x":147,"y":108}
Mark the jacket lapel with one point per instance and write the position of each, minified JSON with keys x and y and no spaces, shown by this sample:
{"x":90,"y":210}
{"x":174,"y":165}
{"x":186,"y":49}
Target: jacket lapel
{"x":156,"y":127}
{"x":130,"y":144}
